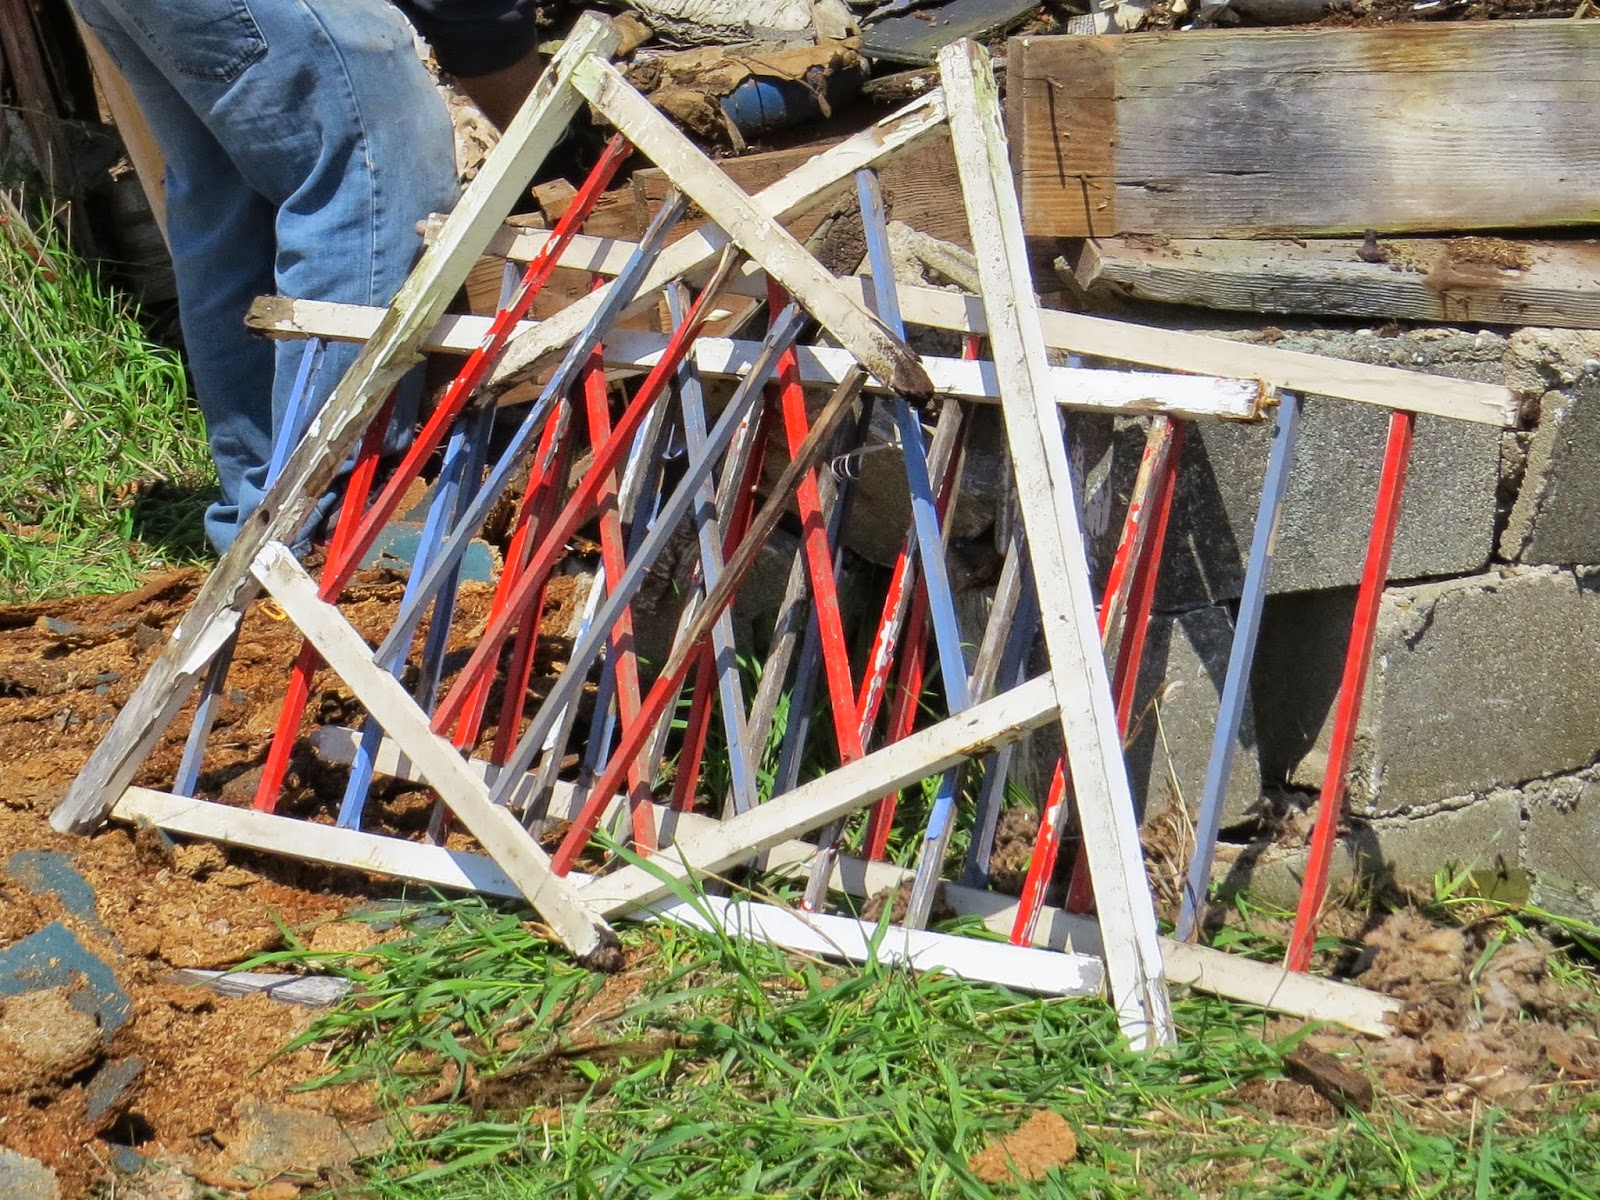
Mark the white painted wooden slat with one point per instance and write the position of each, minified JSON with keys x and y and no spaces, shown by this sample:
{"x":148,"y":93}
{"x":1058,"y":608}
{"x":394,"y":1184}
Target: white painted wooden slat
{"x":1056,"y":545}
{"x":1145,"y":345}
{"x":1262,"y":984}
{"x":823,"y":366}
{"x":508,"y":843}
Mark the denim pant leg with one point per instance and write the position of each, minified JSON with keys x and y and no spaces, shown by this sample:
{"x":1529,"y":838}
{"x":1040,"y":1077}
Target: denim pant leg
{"x":304,"y":143}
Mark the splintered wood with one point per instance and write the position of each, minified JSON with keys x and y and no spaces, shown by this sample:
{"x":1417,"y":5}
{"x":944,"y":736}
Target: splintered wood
{"x":621,"y":748}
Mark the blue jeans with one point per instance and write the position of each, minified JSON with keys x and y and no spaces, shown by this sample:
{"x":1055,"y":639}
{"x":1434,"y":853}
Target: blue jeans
{"x":304,"y":141}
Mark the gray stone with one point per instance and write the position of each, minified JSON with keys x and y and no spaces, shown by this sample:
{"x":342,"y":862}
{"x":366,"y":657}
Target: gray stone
{"x":24,"y":1178}
{"x":54,"y":957}
{"x":109,"y":1090}
{"x":1475,"y":683}
{"x":1481,"y":835}
{"x":51,"y":873}
{"x":1175,"y":713}
{"x":1563,"y":831}
{"x":1552,"y":520}
{"x":1447,"y":519}
{"x":756,"y":604}
{"x":880,"y":515}
{"x":273,"y":1139}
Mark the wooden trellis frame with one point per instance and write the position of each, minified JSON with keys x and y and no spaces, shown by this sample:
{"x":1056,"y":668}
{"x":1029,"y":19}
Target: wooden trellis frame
{"x":1029,"y":390}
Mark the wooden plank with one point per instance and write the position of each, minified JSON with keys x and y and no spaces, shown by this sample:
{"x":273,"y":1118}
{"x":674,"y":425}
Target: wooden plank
{"x":916,"y":187}
{"x":342,"y":648}
{"x":1467,"y":280}
{"x":1201,"y":967}
{"x":1048,"y":502}
{"x":149,"y":164}
{"x":822,"y":366}
{"x":821,"y":177}
{"x":1307,"y":132}
{"x":333,"y":433}
{"x":757,"y":234}
{"x":1022,"y":968}
{"x":1166,"y":349}
{"x":978,"y":730}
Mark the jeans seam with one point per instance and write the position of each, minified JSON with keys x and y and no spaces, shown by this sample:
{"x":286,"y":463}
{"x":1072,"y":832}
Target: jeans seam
{"x":230,"y":72}
{"x":377,"y":207}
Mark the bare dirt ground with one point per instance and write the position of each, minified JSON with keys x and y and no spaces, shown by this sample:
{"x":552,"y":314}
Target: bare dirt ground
{"x":1505,"y":1032}
{"x":65,"y":669}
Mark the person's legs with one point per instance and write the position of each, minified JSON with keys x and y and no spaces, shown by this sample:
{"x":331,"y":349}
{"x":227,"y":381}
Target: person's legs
{"x":221,"y":234}
{"x":324,"y":115}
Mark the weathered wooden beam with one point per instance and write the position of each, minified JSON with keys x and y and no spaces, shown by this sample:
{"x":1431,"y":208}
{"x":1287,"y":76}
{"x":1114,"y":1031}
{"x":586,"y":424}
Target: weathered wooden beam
{"x":1048,"y":502}
{"x":315,"y":463}
{"x":149,"y":164}
{"x":820,"y":365}
{"x":1293,"y":132}
{"x":1465,"y":280}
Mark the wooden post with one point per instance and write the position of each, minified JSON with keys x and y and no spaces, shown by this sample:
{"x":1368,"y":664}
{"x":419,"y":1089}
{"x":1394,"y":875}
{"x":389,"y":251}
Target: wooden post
{"x":1056,"y":545}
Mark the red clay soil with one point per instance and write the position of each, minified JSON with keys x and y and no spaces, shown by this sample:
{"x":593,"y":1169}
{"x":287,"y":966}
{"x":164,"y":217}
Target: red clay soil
{"x":65,"y":669}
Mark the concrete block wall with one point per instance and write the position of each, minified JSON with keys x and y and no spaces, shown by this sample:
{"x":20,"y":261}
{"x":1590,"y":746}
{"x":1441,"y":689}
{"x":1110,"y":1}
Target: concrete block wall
{"x":1480,"y":729}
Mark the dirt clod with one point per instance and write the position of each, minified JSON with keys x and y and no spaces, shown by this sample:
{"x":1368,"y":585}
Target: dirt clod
{"x":1040,"y":1144}
{"x":44,"y":1039}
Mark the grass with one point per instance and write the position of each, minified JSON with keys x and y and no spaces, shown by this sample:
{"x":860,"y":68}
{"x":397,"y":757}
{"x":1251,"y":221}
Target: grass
{"x":105,"y":452}
{"x":720,"y":1069}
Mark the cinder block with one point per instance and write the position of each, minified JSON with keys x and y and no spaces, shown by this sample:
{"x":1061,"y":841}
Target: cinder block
{"x":1552,"y":519}
{"x":1563,"y":831}
{"x":1447,"y":520}
{"x":1475,"y":683}
{"x":1481,"y":834}
{"x":1175,"y":712}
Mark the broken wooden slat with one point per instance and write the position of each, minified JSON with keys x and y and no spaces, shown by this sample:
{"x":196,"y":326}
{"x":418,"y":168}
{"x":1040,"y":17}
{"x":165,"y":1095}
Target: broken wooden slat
{"x":574,"y":922}
{"x":1048,"y":502}
{"x":333,"y":434}
{"x":731,"y":358}
{"x":1465,"y":281}
{"x":1253,"y":132}
{"x":312,"y":991}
